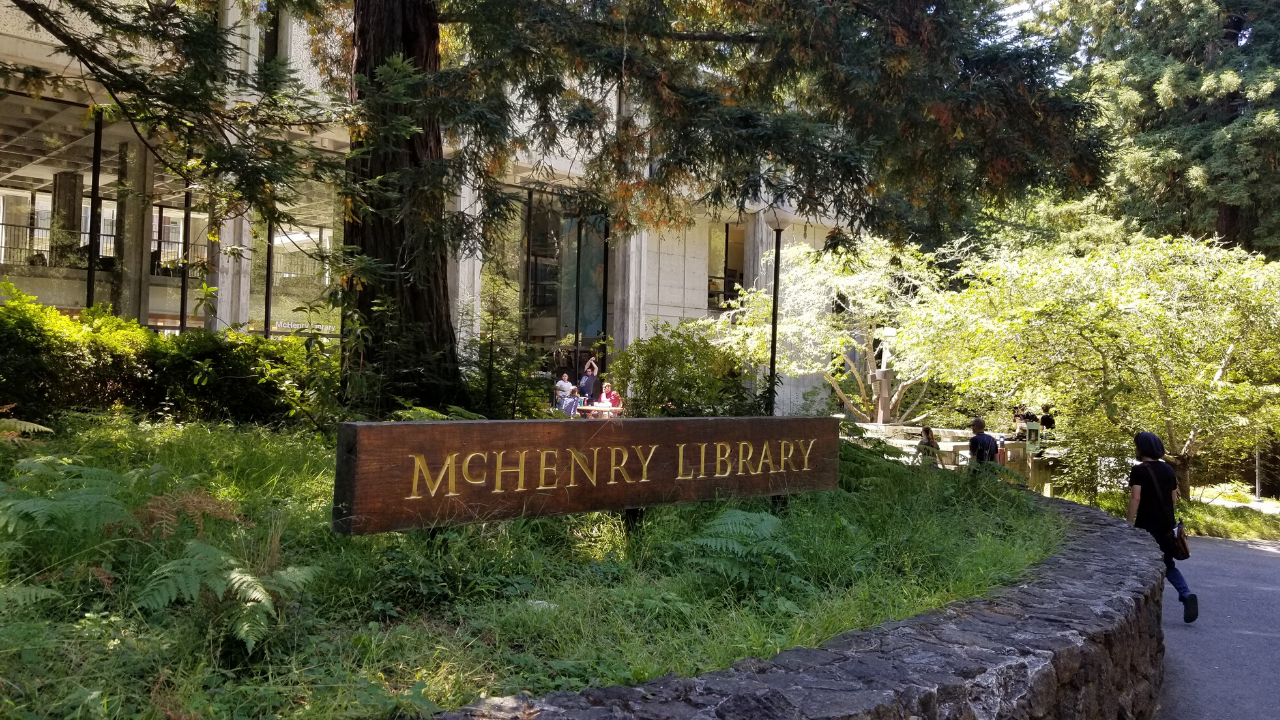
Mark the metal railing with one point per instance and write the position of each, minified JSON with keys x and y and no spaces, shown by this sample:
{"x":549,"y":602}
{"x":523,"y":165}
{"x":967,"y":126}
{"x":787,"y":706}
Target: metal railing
{"x":25,"y":245}
{"x":166,"y":258}
{"x":720,"y":291}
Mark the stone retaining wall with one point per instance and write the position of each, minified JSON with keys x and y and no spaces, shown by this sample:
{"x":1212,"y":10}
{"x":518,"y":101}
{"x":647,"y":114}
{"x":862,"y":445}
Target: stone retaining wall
{"x":1080,"y":640}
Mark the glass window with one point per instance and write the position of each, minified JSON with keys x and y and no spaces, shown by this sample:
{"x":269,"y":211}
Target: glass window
{"x":726,"y":250}
{"x":565,"y":278}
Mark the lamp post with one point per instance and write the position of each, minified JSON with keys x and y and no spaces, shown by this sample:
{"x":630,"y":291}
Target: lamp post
{"x":779,"y":218}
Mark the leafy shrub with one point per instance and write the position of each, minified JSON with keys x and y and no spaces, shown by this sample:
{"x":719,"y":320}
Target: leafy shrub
{"x":680,"y":372}
{"x":51,"y":363}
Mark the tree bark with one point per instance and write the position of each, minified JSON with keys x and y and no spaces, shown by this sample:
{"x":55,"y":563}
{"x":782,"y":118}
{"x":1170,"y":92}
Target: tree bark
{"x":1182,"y":471}
{"x":412,"y":345}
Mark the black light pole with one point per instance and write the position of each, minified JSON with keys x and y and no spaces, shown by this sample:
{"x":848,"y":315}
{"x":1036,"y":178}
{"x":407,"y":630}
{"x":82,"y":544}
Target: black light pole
{"x":184,"y":288}
{"x":773,"y":339}
{"x":270,"y":284}
{"x":778,"y":218}
{"x":95,"y":211}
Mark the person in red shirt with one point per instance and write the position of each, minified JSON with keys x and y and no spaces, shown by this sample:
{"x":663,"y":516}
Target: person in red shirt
{"x":611,"y":396}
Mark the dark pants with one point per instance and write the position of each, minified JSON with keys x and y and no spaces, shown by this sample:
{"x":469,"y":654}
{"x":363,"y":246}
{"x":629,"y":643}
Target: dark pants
{"x":1171,"y":572}
{"x":1174,"y":576}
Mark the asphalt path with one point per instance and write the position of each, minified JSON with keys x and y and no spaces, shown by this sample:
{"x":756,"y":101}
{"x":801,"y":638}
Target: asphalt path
{"x":1227,"y":663}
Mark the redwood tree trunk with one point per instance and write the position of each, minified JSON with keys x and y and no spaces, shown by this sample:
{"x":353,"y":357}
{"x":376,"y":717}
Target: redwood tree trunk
{"x":412,"y":347}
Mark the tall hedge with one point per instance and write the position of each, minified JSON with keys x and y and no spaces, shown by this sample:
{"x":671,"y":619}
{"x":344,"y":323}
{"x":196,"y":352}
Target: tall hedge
{"x":50,"y":363}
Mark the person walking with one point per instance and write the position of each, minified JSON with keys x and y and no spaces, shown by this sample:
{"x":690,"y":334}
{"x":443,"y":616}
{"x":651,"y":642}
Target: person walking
{"x":1153,"y":491}
{"x":982,"y":447}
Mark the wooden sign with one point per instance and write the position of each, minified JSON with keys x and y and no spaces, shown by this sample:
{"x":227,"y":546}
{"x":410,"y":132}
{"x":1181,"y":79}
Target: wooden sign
{"x":399,"y":476}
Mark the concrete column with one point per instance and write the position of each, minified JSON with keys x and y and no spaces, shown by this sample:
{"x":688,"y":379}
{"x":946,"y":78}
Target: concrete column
{"x":464,"y":278}
{"x":757,"y":243}
{"x":64,"y":224}
{"x":629,"y":278}
{"x":131,"y":295}
{"x":230,"y":261}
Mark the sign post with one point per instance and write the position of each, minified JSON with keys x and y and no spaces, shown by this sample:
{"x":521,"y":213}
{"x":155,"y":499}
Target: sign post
{"x":407,"y":475}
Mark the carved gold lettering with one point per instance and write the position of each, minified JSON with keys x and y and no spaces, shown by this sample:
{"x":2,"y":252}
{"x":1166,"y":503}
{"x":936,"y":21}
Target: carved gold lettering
{"x":723,"y":457}
{"x":421,"y":469}
{"x":806,"y":450}
{"x":542,"y":473}
{"x":702,"y":469}
{"x":577,"y":459}
{"x":644,"y":461}
{"x":466,"y":468}
{"x":519,"y":469}
{"x":746,"y":459}
{"x":765,"y":454}
{"x":616,"y":467}
{"x":785,"y":451}
{"x":680,"y":464}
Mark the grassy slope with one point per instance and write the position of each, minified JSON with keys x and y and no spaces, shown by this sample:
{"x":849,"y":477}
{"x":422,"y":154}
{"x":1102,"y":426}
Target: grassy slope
{"x":1201,"y":518}
{"x":402,"y":621}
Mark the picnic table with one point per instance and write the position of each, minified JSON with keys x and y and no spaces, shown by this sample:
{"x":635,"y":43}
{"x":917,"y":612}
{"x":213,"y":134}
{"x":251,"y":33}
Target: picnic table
{"x":604,"y":410}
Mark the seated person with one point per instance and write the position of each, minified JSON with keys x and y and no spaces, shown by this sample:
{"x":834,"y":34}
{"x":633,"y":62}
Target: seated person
{"x":562,"y":387}
{"x":569,"y":405}
{"x":611,"y":396}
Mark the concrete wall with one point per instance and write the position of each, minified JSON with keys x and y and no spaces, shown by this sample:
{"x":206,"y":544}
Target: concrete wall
{"x":1080,"y":640}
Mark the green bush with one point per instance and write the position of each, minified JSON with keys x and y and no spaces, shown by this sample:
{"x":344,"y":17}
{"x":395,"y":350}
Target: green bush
{"x":680,"y":372}
{"x":50,"y":363}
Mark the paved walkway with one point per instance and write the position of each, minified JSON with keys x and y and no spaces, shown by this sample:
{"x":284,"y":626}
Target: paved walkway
{"x":1227,"y":663}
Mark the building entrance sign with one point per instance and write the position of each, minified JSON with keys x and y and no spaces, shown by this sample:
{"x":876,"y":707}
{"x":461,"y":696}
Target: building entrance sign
{"x":401,"y":476}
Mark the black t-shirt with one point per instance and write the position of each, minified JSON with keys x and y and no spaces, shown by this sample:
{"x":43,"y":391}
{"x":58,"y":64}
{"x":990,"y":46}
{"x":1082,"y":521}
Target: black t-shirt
{"x":1155,"y":506}
{"x":983,"y":448}
{"x":586,"y":388}
{"x":1047,"y":422}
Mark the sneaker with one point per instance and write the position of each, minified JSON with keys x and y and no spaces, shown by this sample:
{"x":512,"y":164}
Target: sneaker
{"x":1190,"y":608}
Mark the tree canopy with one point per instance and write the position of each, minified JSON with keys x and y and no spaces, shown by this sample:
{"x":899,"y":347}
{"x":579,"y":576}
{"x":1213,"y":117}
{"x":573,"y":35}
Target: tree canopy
{"x":1178,"y":336}
{"x":899,"y":117}
{"x":1189,"y":88}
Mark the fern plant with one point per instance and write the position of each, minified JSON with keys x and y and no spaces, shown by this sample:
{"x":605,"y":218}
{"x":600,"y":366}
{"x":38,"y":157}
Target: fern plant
{"x":746,"y":549}
{"x":248,"y":602}
{"x":53,"y":496}
{"x":12,"y":430}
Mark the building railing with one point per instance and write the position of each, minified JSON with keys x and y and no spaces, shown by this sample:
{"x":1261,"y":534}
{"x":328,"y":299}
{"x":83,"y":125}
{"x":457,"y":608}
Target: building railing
{"x":720,"y":291}
{"x":25,"y":245}
{"x":166,"y":258}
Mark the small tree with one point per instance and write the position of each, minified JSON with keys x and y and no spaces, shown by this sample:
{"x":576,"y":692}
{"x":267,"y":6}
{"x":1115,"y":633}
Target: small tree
{"x":1175,"y":336}
{"x":680,"y":372}
{"x":835,"y":309}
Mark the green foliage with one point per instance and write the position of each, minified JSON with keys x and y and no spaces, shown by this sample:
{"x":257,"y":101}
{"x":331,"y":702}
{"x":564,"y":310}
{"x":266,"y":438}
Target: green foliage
{"x":1175,"y":336}
{"x":501,"y":369}
{"x":156,"y":617}
{"x":679,"y":371}
{"x":1205,"y":519}
{"x":252,"y":598}
{"x":1189,"y":88}
{"x":51,"y":363}
{"x":745,"y":549}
